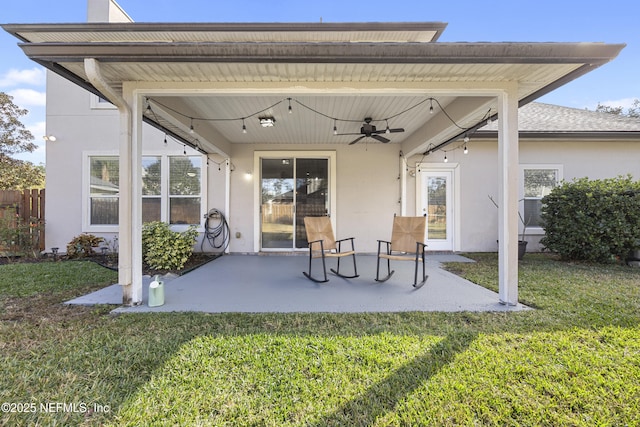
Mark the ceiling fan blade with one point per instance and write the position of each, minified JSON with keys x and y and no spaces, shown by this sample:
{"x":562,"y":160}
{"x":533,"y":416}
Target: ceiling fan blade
{"x":380,"y":138}
{"x":356,"y":140}
{"x":340,"y":134}
{"x":381,"y":131}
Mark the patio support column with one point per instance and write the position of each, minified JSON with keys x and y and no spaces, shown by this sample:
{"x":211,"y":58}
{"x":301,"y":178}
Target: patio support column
{"x":508,"y":200}
{"x":130,"y":189}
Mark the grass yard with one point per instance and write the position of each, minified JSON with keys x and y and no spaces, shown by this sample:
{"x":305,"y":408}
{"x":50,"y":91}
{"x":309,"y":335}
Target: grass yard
{"x":573,"y":361}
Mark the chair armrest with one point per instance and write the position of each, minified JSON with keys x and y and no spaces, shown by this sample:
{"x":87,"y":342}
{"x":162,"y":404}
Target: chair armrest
{"x":380,"y":242}
{"x":339,"y":242}
{"x":310,"y":244}
{"x":342,"y":240}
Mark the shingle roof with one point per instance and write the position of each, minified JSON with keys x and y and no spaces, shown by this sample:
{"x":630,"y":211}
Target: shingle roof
{"x":537,"y":117}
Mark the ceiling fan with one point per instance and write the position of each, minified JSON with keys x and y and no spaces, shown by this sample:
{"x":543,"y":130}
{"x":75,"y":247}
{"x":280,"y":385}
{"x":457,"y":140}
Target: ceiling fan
{"x":369,"y":130}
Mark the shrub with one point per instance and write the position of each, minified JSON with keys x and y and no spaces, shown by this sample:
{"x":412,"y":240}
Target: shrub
{"x":164,"y":249}
{"x":596,"y":220}
{"x":82,"y":246}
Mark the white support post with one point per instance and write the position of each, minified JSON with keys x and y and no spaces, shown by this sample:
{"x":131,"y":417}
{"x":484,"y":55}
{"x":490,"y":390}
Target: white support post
{"x":125,"y":214}
{"x":130,"y":188}
{"x":508,"y":182}
{"x":134,"y":186}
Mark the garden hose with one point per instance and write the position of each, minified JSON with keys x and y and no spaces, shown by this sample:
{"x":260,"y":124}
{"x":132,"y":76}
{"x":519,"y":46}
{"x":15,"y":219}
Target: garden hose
{"x":216,"y":231}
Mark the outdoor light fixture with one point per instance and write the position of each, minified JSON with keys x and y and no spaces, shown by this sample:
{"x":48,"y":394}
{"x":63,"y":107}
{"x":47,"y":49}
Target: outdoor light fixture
{"x":267,"y":122}
{"x":49,"y":138}
{"x":244,"y":128}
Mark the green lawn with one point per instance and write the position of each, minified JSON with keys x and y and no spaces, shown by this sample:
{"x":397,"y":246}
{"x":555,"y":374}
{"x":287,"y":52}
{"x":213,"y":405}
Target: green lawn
{"x":574,"y":360}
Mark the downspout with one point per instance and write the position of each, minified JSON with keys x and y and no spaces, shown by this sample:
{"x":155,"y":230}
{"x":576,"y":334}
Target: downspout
{"x":125,"y":267}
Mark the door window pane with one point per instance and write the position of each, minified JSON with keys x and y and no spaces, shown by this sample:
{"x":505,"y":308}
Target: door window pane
{"x":277,"y":208}
{"x":312,"y":195}
{"x":437,"y":208}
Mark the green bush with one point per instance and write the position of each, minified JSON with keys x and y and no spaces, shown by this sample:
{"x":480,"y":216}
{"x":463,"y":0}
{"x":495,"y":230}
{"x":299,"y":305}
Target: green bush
{"x":82,"y":246}
{"x":593,"y":220}
{"x":164,"y":249}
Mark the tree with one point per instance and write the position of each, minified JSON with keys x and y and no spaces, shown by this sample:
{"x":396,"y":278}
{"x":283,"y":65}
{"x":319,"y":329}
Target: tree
{"x":15,"y":138}
{"x":633,"y":111}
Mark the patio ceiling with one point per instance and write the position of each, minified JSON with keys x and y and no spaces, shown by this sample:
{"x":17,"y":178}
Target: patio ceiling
{"x":215,"y":75}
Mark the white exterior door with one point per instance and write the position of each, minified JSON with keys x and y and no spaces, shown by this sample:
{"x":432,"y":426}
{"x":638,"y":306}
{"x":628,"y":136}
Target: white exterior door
{"x":436,"y":200}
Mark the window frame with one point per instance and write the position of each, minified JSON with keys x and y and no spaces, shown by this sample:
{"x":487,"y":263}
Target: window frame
{"x":99,"y":103}
{"x":165,"y":198}
{"x":536,"y":229}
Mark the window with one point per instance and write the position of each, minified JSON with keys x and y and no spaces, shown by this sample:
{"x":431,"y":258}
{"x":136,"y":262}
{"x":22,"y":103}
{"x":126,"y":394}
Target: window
{"x":151,"y":189}
{"x":172,"y":188}
{"x":538,"y":182}
{"x":103,"y":190}
{"x":184,"y":189}
{"x":99,"y":103}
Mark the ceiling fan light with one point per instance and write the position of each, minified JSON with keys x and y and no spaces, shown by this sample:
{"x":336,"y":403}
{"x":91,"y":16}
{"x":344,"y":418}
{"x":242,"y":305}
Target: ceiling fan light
{"x":267,"y":122}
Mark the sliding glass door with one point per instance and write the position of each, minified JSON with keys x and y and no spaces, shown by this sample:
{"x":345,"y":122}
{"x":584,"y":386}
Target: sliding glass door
{"x":291,"y":188}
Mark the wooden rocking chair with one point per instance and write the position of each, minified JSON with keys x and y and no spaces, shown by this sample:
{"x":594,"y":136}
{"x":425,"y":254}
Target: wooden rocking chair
{"x":322,"y":244}
{"x":405,"y":245}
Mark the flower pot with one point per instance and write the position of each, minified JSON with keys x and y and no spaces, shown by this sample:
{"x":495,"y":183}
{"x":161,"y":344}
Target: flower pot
{"x":522,"y":248}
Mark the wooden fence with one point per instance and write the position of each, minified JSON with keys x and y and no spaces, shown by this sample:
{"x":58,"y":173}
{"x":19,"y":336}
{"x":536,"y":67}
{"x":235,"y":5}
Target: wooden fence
{"x":24,"y":207}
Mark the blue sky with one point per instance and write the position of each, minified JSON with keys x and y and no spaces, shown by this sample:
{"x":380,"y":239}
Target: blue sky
{"x":612,"y":21}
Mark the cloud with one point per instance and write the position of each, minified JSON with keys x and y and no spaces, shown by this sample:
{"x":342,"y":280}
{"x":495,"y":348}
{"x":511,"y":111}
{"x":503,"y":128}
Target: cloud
{"x":28,"y":97}
{"x":34,"y":77}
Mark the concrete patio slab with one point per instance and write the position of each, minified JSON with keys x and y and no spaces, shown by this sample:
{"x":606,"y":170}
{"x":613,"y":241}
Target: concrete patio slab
{"x":275,"y":284}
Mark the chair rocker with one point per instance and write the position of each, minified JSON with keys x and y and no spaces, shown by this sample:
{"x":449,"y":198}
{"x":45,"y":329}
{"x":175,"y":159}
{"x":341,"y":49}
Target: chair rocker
{"x":406,"y":245}
{"x":322,"y":244}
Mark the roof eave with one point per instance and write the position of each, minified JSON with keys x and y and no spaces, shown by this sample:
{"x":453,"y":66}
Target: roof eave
{"x":592,"y":54}
{"x":583,"y":135}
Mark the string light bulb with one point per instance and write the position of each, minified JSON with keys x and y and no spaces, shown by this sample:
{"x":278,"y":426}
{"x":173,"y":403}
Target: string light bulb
{"x":335,"y":128}
{"x":431,"y":106}
{"x":165,"y":139}
{"x":445,"y":158}
{"x":191,"y":130}
{"x":184,"y":149}
{"x":244,"y":128}
{"x":387,"y":130}
{"x":465,"y":150}
{"x":290,"y":109}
